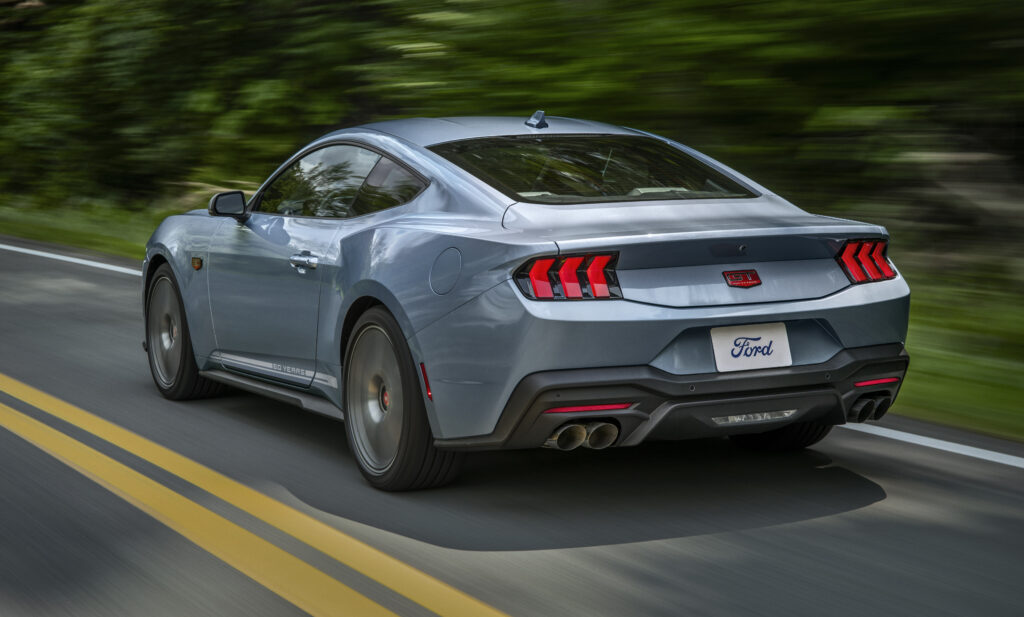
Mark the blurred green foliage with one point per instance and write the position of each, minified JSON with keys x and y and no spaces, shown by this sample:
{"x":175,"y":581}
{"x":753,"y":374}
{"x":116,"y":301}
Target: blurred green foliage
{"x":116,"y":112}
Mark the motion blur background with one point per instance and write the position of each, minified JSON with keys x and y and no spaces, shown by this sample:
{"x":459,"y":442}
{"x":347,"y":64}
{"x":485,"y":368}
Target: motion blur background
{"x":909,"y":113}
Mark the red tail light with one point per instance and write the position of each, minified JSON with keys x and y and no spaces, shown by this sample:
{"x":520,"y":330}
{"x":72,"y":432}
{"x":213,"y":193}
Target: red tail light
{"x":595,"y":274}
{"x":864,"y":261}
{"x":540,"y":284}
{"x":878,"y":255}
{"x":570,"y":277}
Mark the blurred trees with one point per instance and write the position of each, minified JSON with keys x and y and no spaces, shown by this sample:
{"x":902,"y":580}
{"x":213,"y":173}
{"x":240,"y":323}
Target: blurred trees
{"x":905,"y":113}
{"x":820,"y":101}
{"x":908,"y":113}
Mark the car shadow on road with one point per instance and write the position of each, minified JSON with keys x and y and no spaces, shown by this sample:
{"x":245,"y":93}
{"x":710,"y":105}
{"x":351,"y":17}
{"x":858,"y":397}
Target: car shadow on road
{"x":544,"y":499}
{"x":530,"y":500}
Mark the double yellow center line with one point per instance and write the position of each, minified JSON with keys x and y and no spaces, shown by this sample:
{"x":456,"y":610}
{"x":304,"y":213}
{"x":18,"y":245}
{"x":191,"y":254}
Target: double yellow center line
{"x":279,"y":571}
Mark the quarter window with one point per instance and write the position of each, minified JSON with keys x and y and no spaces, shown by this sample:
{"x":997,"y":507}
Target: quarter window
{"x":387,"y":186}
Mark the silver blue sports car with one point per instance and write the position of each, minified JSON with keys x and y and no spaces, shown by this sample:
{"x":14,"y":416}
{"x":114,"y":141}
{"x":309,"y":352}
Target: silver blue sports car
{"x":457,"y":284}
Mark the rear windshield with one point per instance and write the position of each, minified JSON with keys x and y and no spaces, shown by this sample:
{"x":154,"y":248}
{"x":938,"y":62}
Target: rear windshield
{"x":583,"y":169}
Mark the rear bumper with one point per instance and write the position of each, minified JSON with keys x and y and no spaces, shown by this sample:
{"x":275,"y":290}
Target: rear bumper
{"x":667,"y":406}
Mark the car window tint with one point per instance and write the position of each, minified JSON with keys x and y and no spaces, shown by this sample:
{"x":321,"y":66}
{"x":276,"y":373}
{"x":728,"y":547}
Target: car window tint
{"x":323,"y":183}
{"x":387,"y":186}
{"x":581,"y":169}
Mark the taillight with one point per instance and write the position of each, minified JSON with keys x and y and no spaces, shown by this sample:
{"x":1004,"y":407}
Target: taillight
{"x":864,"y":261}
{"x":570,"y":277}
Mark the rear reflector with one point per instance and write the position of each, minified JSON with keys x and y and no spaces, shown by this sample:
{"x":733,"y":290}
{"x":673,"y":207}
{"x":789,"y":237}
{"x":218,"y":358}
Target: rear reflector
{"x":876,"y":382}
{"x":607,"y":407}
{"x":570,"y":277}
{"x":864,"y":261}
{"x":426,"y":382}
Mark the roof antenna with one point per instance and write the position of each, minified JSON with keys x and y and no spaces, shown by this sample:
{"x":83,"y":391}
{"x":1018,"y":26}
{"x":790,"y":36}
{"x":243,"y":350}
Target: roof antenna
{"x":537,"y":120}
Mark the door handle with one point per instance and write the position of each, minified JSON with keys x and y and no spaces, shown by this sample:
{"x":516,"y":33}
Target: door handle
{"x":304,"y":260}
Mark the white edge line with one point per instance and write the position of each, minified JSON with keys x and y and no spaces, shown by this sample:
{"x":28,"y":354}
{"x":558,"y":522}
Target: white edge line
{"x":74,"y":260}
{"x":939,"y":444}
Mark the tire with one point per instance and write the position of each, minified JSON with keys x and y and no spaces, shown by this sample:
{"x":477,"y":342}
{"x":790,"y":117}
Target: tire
{"x":385,"y":418}
{"x":788,"y":438}
{"x":172,"y":361}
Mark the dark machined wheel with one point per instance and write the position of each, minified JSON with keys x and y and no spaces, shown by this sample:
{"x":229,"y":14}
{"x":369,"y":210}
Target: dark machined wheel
{"x":385,"y":418}
{"x":171,"y":360}
{"x":791,"y":437}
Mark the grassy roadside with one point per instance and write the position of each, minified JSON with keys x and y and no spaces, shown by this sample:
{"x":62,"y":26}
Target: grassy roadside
{"x":964,"y":342}
{"x":117,"y":232}
{"x":965,"y":359}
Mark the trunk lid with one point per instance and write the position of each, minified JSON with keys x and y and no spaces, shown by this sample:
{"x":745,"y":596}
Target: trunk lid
{"x":676,"y":253}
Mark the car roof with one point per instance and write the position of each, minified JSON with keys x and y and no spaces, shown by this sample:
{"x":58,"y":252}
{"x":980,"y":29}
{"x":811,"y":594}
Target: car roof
{"x":432,"y":131}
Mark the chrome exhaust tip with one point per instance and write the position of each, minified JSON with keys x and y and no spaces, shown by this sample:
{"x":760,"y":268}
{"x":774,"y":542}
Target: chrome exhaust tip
{"x":600,"y":435}
{"x":869,"y":409}
{"x":861,"y":410}
{"x":567,"y":437}
{"x":881,"y":408}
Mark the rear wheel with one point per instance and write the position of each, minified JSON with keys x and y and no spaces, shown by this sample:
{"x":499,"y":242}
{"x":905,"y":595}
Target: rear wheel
{"x":385,"y":418}
{"x":792,"y":437}
{"x":171,"y":359}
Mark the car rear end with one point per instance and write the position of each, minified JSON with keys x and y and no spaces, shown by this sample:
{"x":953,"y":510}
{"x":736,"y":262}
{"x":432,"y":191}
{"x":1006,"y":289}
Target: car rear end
{"x":672,"y":318}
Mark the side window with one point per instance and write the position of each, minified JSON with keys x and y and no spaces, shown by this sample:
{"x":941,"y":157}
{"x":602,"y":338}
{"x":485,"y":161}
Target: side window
{"x":323,"y":183}
{"x":387,"y":186}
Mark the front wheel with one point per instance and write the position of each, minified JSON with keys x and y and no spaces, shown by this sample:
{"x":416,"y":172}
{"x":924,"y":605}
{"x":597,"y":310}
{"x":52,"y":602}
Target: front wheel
{"x":168,"y":344}
{"x":791,"y":437}
{"x":385,"y":418}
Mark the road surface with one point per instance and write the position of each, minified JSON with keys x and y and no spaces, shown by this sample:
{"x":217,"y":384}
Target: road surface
{"x":114,"y":501}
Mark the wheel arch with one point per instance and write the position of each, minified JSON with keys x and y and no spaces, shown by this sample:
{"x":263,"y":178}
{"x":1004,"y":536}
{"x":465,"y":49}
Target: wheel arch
{"x":157,"y":260}
{"x":370,"y":294}
{"x":352,"y":315}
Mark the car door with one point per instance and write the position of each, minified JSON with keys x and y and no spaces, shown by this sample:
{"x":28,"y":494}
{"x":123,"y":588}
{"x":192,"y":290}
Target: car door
{"x":265,"y":272}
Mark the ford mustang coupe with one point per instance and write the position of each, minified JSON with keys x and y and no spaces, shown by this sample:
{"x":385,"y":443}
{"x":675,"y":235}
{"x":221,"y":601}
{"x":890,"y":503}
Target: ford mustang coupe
{"x":457,"y":284}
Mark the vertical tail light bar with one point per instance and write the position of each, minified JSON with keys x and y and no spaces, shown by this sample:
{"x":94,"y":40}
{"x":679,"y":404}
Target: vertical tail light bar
{"x":596,"y":278}
{"x":878,"y":255}
{"x":570,"y":277}
{"x":540,"y":281}
{"x":864,"y":261}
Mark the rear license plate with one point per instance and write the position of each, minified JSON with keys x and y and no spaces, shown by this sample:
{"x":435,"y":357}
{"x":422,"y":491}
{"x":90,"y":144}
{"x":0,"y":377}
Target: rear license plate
{"x":744,"y":348}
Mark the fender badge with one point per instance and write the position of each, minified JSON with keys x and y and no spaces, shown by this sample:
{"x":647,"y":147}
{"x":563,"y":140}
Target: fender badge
{"x":742,"y":278}
{"x":197,"y":262}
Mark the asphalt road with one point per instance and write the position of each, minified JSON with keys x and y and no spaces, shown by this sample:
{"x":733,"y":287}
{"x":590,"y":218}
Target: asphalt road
{"x":860,"y":525}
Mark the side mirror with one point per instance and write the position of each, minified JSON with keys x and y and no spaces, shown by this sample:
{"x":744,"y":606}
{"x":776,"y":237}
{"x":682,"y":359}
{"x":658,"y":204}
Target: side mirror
{"x":230,"y":203}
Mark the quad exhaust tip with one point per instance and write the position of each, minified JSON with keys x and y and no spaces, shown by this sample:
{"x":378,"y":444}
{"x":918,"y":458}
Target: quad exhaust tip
{"x":881,"y":408}
{"x":600,"y":435}
{"x":567,"y":437}
{"x":869,"y":408}
{"x":593,"y":435}
{"x":861,"y":410}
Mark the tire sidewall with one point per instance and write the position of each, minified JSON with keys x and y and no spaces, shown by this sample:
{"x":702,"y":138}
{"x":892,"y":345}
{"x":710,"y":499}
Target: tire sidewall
{"x":187,"y":362}
{"x":415,"y":433}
